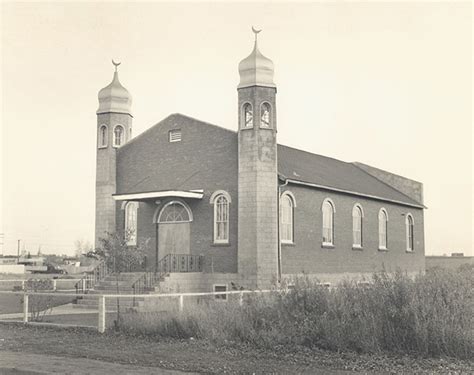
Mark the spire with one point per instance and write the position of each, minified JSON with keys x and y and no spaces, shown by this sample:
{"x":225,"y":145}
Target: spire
{"x":256,"y":69}
{"x":114,"y":97}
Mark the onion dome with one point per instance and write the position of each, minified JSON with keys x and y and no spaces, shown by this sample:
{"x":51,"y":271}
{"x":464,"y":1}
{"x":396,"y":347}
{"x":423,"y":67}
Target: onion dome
{"x":115,"y":97}
{"x":256,"y":69}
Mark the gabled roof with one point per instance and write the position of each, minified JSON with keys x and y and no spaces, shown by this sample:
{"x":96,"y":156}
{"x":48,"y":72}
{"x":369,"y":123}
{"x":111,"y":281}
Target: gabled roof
{"x":297,"y":166}
{"x":327,"y":173}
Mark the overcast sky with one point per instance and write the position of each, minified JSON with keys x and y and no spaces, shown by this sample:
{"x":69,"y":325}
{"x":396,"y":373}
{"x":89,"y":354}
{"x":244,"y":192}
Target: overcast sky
{"x":386,"y":84}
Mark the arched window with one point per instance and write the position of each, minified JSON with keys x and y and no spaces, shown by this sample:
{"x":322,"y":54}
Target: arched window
{"x":265,"y":115}
{"x":221,"y":201}
{"x":286,"y":218}
{"x":328,"y":222}
{"x":383,"y":236}
{"x":248,"y":115}
{"x":118,"y":136}
{"x":103,"y":136}
{"x":131,"y":210}
{"x":175,"y":212}
{"x":357,"y":216}
{"x":409,"y":230}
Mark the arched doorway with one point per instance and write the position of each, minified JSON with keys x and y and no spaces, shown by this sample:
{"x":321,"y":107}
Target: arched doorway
{"x":174,"y":229}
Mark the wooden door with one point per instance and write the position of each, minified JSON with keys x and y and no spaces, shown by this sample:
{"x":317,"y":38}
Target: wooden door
{"x":173,"y":238}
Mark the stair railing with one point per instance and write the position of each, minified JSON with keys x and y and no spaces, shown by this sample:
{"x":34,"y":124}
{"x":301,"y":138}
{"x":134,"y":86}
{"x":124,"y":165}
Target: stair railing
{"x":169,"y":263}
{"x":88,"y":281}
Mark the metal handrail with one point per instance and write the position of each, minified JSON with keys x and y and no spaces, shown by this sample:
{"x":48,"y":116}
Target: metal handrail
{"x":88,"y":281}
{"x":169,"y":263}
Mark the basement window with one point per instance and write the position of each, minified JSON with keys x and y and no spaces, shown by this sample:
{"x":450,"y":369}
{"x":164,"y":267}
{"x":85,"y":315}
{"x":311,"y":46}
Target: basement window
{"x":220,"y":288}
{"x":175,"y":135}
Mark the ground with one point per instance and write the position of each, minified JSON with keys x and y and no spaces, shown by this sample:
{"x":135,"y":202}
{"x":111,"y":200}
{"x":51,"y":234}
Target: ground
{"x":19,"y":344}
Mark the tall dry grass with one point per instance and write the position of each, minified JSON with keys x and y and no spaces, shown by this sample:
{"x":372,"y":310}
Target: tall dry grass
{"x":429,"y":315}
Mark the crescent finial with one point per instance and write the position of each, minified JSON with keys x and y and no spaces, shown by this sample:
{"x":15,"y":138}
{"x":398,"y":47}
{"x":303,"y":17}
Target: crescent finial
{"x":255,"y":31}
{"x":115,"y":64}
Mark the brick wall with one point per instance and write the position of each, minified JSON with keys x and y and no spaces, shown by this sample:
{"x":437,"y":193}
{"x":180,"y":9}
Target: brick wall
{"x":204,"y":159}
{"x":308,"y":256}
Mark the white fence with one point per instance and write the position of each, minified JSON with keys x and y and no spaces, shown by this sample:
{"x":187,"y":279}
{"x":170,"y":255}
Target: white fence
{"x":102,"y":299}
{"x":56,"y":284}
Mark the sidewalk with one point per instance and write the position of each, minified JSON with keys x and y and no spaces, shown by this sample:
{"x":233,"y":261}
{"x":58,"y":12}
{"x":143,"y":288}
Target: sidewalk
{"x":19,"y":363}
{"x":67,"y":309}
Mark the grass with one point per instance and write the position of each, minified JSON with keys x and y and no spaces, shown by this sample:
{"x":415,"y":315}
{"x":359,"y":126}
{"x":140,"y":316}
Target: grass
{"x":430,"y":315}
{"x":206,"y":357}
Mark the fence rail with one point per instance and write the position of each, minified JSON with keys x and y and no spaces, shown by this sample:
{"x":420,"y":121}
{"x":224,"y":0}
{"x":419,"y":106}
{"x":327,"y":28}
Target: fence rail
{"x":102,"y":306}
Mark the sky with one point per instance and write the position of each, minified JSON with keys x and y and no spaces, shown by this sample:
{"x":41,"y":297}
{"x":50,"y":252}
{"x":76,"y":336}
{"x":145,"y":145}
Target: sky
{"x":386,"y":84}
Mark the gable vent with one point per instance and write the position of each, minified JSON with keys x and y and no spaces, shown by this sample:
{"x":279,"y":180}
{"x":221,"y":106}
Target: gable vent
{"x":175,"y":135}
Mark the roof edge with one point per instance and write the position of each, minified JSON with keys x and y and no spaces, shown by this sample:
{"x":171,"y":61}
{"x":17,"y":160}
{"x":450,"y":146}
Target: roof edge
{"x":350,"y":192}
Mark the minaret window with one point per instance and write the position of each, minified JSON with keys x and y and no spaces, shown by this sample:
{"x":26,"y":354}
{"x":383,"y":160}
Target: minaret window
{"x":265,"y":115}
{"x":118,"y":136}
{"x":248,"y":115}
{"x":103,"y":136}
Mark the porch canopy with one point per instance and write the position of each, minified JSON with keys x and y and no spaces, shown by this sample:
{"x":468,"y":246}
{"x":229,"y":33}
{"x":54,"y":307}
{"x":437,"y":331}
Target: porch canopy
{"x":193,"y":194}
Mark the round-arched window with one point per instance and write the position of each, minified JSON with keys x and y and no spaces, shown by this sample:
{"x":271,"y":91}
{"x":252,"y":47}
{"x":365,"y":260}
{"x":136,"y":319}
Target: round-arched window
{"x":119,"y":135}
{"x":175,"y":212}
{"x":265,"y":115}
{"x":248,"y":115}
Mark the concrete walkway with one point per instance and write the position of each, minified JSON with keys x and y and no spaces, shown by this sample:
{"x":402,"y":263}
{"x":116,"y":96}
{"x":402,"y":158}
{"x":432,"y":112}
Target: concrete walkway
{"x":67,"y":309}
{"x":18,"y":363}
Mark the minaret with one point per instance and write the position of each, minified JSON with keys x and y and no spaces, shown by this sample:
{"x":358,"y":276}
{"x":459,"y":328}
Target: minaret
{"x":258,"y":203}
{"x":114,"y":128}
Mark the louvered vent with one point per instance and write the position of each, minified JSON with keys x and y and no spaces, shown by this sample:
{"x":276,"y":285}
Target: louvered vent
{"x":175,"y":135}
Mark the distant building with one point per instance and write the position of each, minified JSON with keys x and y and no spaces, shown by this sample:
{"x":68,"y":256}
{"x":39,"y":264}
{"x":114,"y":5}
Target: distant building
{"x":450,"y":262}
{"x":249,"y":210}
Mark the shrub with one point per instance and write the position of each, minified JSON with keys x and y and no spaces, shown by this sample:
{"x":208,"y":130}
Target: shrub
{"x":428,"y":315}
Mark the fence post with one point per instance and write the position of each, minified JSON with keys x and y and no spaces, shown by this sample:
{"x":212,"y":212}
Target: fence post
{"x":241,"y":298}
{"x":181,"y":303}
{"x":23,"y":285}
{"x":84,"y":284}
{"x":25,"y":308}
{"x":54,"y":284}
{"x":101,"y":325}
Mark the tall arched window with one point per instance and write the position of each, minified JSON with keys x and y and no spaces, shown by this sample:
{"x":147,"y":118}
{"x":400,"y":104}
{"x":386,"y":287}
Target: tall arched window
{"x":409,"y":230}
{"x":265,"y":115}
{"x":119,"y":135}
{"x":328,"y":222}
{"x":286,"y":218}
{"x":248,"y":115}
{"x":221,"y":202}
{"x":357,"y":216}
{"x":383,"y":235}
{"x":131,"y":210}
{"x":103,"y":136}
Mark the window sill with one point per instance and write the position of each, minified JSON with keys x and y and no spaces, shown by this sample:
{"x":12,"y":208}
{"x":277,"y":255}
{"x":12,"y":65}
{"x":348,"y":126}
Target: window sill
{"x":383,"y":249}
{"x":220,"y":244}
{"x":327,"y":245}
{"x":409,"y":251}
{"x":289,"y":244}
{"x":357,"y":247}
{"x":101,"y":147}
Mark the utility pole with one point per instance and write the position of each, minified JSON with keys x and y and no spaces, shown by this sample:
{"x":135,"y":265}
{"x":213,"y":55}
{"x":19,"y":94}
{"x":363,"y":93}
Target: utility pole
{"x":18,"y":253}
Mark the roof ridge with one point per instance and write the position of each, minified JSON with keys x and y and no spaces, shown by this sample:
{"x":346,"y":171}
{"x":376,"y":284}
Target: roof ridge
{"x":385,"y":183}
{"x":166,"y":118}
{"x":312,"y":153}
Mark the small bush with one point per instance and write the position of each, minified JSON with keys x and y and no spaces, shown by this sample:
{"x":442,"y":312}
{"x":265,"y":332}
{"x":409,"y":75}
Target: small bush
{"x":429,"y":315}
